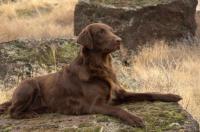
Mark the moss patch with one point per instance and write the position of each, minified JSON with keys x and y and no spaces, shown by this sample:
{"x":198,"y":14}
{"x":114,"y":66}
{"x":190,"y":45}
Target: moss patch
{"x":22,"y":59}
{"x":158,"y":117}
{"x":43,"y":54}
{"x":85,"y":129}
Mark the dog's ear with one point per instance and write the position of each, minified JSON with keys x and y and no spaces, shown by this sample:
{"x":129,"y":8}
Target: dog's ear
{"x":85,"y":38}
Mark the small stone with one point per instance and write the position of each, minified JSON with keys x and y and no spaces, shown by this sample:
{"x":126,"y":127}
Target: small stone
{"x":175,"y":125}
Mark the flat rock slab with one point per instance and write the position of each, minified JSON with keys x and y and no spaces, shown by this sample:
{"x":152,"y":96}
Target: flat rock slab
{"x":140,"y":21}
{"x":158,"y":116}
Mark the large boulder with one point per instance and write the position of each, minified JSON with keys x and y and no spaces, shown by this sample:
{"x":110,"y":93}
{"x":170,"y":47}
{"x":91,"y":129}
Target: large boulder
{"x":20,"y":59}
{"x":139,"y":21}
{"x":158,"y":116}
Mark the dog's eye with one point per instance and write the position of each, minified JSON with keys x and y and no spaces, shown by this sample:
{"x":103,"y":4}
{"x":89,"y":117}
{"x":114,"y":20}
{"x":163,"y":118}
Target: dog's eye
{"x":114,"y":31}
{"x":101,"y":31}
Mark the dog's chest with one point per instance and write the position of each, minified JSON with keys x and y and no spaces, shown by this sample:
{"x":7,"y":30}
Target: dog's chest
{"x":97,"y":90}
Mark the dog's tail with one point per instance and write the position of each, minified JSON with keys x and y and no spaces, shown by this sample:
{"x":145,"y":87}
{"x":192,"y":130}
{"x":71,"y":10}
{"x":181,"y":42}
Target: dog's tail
{"x":4,"y":107}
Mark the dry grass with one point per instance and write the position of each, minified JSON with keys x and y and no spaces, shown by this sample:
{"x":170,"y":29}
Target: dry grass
{"x":5,"y":95}
{"x":36,"y":19}
{"x":167,"y":69}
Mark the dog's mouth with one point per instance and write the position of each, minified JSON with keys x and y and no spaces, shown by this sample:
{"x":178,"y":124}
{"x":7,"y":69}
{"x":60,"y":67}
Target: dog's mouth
{"x":117,"y":46}
{"x":113,"y":47}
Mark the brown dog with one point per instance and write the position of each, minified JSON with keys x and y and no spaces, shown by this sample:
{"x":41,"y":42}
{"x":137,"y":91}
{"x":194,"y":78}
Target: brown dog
{"x":87,"y":86}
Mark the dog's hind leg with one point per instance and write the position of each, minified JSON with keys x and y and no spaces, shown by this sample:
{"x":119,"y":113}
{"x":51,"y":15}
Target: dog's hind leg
{"x":23,"y":98}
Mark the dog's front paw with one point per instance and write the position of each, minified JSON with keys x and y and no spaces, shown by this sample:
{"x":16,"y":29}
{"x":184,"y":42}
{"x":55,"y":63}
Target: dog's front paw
{"x":135,"y":121}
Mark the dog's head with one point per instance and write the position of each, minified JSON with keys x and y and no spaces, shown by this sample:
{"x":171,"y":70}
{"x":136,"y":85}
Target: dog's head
{"x":99,"y":37}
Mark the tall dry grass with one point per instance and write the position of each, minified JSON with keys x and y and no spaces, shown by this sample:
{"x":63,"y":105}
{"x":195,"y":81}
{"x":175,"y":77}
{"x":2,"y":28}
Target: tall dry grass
{"x":167,"y":69}
{"x":36,"y":19}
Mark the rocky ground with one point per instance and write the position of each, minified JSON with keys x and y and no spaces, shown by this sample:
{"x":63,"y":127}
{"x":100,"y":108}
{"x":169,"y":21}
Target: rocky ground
{"x":158,"y":116}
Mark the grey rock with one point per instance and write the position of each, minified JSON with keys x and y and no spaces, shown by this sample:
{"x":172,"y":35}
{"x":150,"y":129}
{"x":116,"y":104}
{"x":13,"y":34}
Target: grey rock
{"x":20,"y":59}
{"x":139,"y":21}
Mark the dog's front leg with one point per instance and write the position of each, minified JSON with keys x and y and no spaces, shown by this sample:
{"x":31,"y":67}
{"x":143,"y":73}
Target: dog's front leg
{"x":117,"y":112}
{"x":123,"y":96}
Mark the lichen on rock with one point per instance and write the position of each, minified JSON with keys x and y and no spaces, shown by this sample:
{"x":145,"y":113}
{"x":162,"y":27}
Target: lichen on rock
{"x":27,"y":58}
{"x":158,"y":117}
{"x":140,"y":21}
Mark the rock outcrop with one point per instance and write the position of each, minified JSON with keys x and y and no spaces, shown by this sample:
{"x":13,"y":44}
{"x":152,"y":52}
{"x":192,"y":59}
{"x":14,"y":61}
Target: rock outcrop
{"x":158,"y":116}
{"x":140,"y":21}
{"x":23,"y":58}
{"x":20,"y":59}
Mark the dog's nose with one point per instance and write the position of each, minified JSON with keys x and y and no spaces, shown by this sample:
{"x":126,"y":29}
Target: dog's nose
{"x":118,"y":40}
